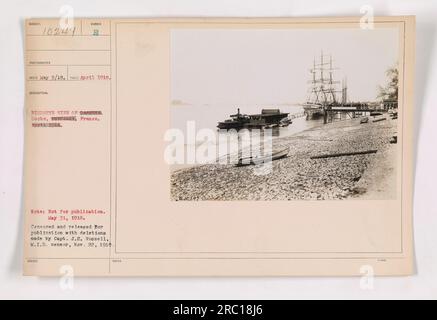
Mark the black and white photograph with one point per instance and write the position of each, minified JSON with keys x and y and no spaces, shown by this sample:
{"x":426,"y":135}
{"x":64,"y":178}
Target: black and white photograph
{"x":220,"y":159}
{"x":285,"y":113}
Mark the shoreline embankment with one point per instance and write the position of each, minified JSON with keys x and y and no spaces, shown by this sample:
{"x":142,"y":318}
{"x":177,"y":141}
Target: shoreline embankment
{"x":298,"y":176}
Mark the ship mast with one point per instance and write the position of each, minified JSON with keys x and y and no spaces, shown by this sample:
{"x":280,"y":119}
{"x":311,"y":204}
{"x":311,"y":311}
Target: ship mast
{"x":323,"y":90}
{"x":322,"y":80}
{"x":331,"y":82}
{"x":344,"y":91}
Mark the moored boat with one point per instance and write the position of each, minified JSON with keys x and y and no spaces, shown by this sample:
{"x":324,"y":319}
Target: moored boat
{"x":278,"y":154}
{"x":268,"y":118}
{"x":237,"y":121}
{"x":364,"y":120}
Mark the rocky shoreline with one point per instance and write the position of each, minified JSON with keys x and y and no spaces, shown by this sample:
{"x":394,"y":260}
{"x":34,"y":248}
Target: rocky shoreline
{"x":297,"y":177}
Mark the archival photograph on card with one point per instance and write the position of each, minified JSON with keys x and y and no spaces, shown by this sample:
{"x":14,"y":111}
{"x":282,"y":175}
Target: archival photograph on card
{"x":284,"y":114}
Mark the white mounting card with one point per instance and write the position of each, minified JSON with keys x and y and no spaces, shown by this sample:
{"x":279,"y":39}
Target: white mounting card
{"x":219,"y":147}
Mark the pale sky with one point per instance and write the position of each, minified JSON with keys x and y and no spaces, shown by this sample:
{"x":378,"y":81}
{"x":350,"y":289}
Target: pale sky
{"x":271,"y":66}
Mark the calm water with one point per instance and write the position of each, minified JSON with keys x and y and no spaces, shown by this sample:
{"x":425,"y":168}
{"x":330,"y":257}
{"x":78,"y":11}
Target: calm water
{"x":207,"y":116}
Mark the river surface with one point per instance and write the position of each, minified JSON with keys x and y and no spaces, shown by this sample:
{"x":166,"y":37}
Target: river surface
{"x":207,"y":117}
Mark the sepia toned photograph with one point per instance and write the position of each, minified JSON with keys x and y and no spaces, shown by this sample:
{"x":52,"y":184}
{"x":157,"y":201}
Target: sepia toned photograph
{"x":217,"y":147}
{"x":284,"y":114}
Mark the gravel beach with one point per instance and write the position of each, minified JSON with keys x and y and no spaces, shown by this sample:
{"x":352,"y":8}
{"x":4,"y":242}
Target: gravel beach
{"x":297,"y":177}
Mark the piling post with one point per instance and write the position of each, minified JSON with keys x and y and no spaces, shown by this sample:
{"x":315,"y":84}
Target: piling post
{"x":325,"y":116}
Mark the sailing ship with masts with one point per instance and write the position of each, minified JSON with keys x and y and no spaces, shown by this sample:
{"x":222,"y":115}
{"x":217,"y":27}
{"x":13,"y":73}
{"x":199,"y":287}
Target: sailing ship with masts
{"x":323,"y":91}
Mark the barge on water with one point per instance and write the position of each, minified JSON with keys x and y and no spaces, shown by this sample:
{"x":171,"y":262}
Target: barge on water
{"x":268,"y":118}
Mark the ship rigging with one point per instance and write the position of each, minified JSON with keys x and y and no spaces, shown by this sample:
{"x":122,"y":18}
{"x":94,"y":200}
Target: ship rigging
{"x":323,"y":94}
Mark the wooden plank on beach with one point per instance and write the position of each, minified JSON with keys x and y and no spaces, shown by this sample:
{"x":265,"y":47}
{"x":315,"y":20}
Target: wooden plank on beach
{"x":343,"y":154}
{"x":381,"y":119}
